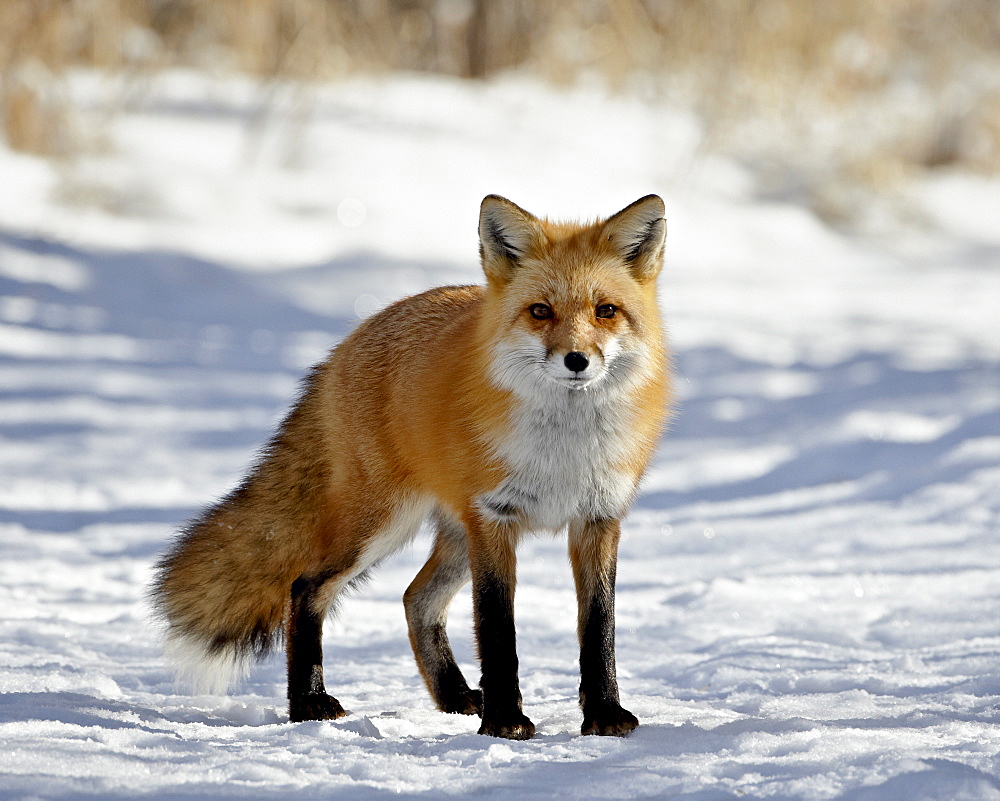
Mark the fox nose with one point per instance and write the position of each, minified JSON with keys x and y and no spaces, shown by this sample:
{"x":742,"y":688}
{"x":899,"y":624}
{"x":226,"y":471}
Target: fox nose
{"x":576,"y":361}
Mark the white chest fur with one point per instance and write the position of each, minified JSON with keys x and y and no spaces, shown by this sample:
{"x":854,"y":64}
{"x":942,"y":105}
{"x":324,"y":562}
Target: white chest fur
{"x":561,"y":451}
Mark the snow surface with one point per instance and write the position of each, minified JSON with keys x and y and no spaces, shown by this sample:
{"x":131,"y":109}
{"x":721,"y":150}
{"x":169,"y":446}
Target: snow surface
{"x":808,"y":588}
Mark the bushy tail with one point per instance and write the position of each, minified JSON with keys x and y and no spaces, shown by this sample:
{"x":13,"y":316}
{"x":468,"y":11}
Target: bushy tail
{"x":223,"y":593}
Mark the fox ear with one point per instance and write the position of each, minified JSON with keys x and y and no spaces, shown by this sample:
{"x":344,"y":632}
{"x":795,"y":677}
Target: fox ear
{"x":637,"y":233}
{"x":506,"y":234}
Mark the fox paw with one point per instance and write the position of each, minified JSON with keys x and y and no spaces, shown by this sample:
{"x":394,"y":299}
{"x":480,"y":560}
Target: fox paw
{"x":611,"y":720}
{"x":512,"y":727}
{"x":464,"y":702}
{"x":314,"y":706}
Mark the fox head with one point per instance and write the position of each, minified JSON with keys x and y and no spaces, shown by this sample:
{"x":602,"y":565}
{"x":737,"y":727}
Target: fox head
{"x":571,"y":306}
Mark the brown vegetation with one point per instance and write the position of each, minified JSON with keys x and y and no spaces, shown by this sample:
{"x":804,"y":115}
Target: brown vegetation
{"x":909,"y":83}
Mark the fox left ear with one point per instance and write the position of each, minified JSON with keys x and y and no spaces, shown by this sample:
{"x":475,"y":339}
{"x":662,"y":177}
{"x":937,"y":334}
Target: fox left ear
{"x":637,"y":233}
{"x":507,"y":233}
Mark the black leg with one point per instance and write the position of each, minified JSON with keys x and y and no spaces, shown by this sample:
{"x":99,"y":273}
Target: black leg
{"x":593,"y":552}
{"x":307,"y":696}
{"x":493,"y":598}
{"x":450,"y":690}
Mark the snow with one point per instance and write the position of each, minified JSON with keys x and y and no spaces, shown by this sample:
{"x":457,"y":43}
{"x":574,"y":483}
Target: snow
{"x":807,"y":603}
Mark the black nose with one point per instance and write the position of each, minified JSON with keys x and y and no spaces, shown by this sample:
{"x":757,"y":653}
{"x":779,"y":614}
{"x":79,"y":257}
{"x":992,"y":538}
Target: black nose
{"x":576,"y":361}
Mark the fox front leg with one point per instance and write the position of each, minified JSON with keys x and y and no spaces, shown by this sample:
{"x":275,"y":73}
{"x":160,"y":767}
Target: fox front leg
{"x":493,"y":562}
{"x":593,"y":548}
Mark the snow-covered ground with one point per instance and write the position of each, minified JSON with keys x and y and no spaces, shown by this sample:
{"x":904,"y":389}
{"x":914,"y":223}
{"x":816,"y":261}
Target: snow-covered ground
{"x":808,"y":589}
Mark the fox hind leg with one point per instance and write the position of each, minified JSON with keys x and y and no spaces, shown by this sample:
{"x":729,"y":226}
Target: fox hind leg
{"x":307,"y":696}
{"x":426,"y":601}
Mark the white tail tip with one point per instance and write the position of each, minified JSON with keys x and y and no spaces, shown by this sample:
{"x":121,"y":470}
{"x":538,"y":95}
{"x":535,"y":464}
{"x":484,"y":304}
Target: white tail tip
{"x":203,"y":671}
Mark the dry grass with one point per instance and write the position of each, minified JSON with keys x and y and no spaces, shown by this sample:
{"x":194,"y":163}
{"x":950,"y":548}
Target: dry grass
{"x":871,"y":90}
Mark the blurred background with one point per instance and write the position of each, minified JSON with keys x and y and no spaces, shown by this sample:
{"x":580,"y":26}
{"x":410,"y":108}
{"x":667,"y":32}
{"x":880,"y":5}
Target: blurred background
{"x":823,"y":99}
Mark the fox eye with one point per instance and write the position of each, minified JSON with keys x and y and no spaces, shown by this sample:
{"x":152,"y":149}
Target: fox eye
{"x":606,"y":310}
{"x":540,"y":311}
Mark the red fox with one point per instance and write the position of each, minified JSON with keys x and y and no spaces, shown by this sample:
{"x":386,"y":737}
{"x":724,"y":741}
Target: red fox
{"x":531,"y":403}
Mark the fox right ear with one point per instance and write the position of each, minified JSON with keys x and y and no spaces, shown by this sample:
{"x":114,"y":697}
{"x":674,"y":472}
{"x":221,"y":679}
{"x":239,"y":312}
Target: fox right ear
{"x":507,"y":233}
{"x":637,"y":233}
